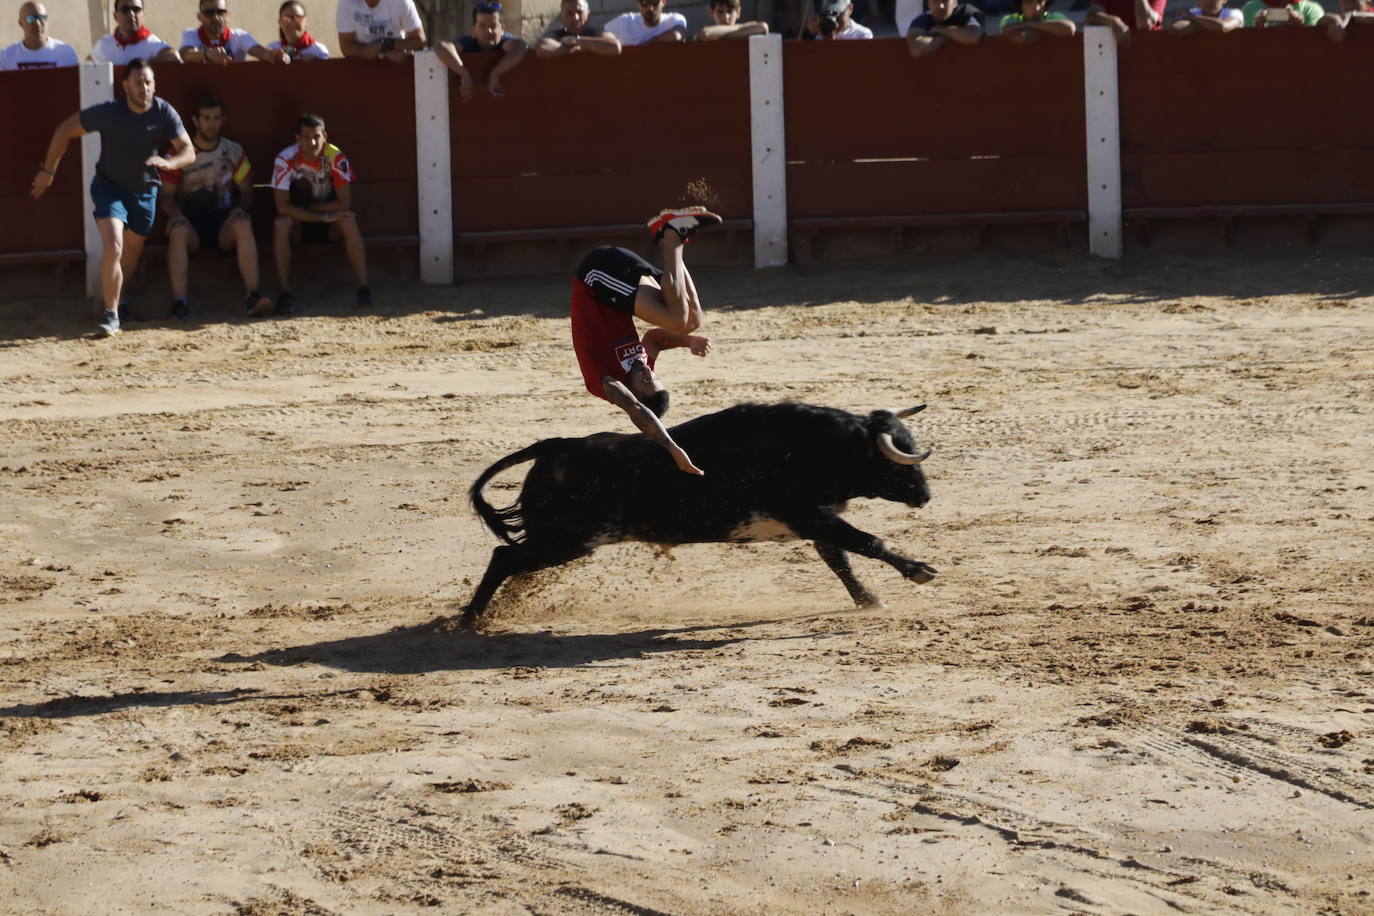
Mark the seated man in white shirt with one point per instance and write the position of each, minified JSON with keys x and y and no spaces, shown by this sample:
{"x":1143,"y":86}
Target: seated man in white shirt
{"x":36,"y":50}
{"x":649,"y":26}
{"x":132,"y":39}
{"x":296,"y":42}
{"x":214,"y":42}
{"x":834,"y":19}
{"x":380,"y":29}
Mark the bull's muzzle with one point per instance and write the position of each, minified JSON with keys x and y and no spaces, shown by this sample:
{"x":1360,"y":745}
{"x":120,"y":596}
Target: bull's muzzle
{"x":892,"y":453}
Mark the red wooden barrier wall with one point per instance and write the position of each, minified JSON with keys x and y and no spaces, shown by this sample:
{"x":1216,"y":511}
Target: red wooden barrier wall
{"x":32,"y":102}
{"x":1269,"y":116}
{"x":598,"y":141}
{"x":995,"y":128}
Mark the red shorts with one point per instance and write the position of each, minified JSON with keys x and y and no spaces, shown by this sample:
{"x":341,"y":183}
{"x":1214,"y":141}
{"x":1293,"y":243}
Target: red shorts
{"x":605,"y":340}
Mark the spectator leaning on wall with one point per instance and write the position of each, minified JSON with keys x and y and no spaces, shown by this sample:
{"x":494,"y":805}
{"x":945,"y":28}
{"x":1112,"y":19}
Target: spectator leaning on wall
{"x":488,"y":36}
{"x":945,"y":21}
{"x":36,"y":50}
{"x":725,"y":23}
{"x":1123,"y":16}
{"x":1207,"y":16}
{"x":294,"y":40}
{"x":1033,"y":23}
{"x":132,"y":40}
{"x":649,"y":26}
{"x":213,"y":42}
{"x":834,"y":19}
{"x":570,"y":34}
{"x":372,"y":29}
{"x":1265,"y":13}
{"x":1352,"y":11}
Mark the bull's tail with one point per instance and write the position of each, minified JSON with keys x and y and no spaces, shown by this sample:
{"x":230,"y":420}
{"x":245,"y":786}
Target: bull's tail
{"x":508,"y":524}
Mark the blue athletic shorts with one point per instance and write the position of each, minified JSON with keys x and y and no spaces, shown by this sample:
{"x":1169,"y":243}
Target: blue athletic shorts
{"x":135,"y":211}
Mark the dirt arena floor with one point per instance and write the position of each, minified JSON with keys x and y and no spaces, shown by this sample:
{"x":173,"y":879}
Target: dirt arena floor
{"x":1143,"y":681}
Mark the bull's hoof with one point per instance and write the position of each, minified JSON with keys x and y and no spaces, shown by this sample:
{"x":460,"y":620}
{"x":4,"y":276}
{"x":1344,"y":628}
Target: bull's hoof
{"x":870,"y":601}
{"x":920,"y":573}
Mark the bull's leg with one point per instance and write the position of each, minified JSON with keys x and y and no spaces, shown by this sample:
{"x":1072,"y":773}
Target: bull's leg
{"x":507,"y":561}
{"x":824,"y":526}
{"x":838,"y":561}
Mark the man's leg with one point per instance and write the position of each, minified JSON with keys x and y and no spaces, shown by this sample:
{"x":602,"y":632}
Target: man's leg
{"x":111,"y":256}
{"x":355,"y":248}
{"x":673,"y":304}
{"x":282,"y":231}
{"x":182,"y":242}
{"x":237,"y":235}
{"x":133,"y":250}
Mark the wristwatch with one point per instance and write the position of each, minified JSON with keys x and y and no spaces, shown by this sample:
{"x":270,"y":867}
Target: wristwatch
{"x":387,"y":44}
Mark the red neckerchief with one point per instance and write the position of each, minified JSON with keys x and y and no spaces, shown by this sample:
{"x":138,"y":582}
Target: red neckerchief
{"x":294,"y":50}
{"x":140,"y":35}
{"x":213,"y":42}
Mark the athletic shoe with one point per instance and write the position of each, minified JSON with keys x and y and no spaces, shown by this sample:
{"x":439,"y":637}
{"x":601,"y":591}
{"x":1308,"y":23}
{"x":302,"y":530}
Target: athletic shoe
{"x":682,"y":220}
{"x":109,"y":325}
{"x":257,"y":304}
{"x":286,"y":303}
{"x":364,"y":296}
{"x":180,"y":311}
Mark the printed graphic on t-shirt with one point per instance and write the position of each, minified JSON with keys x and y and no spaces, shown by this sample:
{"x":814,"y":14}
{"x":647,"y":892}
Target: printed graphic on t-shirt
{"x":311,"y":182}
{"x":208,"y":183}
{"x":629,"y":352}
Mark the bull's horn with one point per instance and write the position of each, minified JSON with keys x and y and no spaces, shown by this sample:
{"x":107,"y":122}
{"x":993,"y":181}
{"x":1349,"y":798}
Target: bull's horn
{"x":902,"y":414}
{"x":892,"y":453}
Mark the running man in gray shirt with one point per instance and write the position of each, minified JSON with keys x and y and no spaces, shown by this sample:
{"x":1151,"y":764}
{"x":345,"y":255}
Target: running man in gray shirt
{"x":132,"y":131}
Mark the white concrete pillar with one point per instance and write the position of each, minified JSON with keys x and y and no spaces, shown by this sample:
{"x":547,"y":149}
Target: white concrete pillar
{"x":97,"y":85}
{"x":769,"y":150}
{"x":434,"y":169}
{"x":1103,"y":119}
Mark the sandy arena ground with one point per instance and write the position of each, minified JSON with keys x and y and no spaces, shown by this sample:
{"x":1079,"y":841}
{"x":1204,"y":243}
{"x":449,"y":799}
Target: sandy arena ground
{"x":1143,"y":681}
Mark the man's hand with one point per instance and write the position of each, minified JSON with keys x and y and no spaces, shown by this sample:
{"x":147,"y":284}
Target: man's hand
{"x":41,"y":182}
{"x":158,"y":162}
{"x":236,"y":213}
{"x":494,"y":86}
{"x":178,"y":220}
{"x":684,"y":462}
{"x":278,"y":57}
{"x":466,"y":86}
{"x":396,"y":57}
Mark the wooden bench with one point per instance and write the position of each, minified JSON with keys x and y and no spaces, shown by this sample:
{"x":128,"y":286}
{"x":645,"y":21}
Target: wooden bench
{"x":806,"y":229}
{"x":565,"y":235}
{"x":59,"y":258}
{"x":1227,"y":214}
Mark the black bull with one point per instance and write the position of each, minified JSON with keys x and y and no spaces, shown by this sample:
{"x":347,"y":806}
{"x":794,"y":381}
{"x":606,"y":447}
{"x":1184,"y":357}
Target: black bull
{"x":773,"y":471}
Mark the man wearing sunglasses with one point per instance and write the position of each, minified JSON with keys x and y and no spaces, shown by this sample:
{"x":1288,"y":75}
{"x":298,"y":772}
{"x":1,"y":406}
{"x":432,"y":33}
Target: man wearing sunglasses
{"x":132,"y":40}
{"x":36,"y":51}
{"x":613,"y":287}
{"x":649,"y":26}
{"x":132,"y":132}
{"x":214,"y":42}
{"x":380,"y":29}
{"x":488,"y":35}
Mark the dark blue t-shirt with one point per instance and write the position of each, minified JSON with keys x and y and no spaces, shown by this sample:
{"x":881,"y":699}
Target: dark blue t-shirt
{"x":468,"y":45}
{"x":962,"y":15}
{"x":128,"y":138}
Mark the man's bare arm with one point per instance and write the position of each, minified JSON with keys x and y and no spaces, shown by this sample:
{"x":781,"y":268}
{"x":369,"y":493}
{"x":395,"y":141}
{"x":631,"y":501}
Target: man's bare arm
{"x":648,"y":424}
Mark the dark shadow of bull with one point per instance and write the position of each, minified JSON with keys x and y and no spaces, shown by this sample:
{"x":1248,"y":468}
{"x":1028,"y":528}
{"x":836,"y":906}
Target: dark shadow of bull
{"x":773,"y":472}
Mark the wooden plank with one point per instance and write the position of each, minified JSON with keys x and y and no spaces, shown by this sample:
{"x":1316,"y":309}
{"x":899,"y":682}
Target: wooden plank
{"x":1230,"y":93}
{"x":619,"y":195}
{"x":935,"y":186}
{"x":846,"y":100}
{"x":673,"y":106}
{"x":38,"y":100}
{"x":1258,"y":177}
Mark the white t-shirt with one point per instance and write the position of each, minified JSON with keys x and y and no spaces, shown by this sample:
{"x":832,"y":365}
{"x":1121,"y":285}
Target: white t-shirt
{"x":369,"y":24}
{"x":316,"y":51}
{"x":238,"y":45}
{"x":108,"y":51}
{"x":1227,"y":14}
{"x":630,"y":29}
{"x":853,"y":30}
{"x":53,"y":54}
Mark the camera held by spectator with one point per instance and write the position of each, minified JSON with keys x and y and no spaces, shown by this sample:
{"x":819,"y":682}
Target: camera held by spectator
{"x":829,"y":14}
